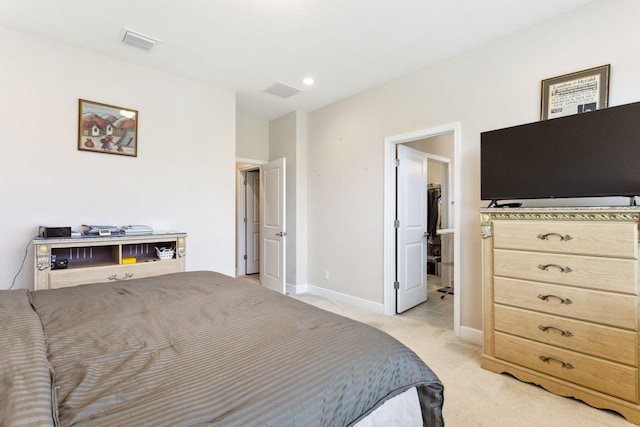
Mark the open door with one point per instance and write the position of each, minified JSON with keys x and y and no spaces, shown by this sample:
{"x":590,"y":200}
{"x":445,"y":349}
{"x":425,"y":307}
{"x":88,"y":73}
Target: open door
{"x":411,"y":228}
{"x":272,"y":225}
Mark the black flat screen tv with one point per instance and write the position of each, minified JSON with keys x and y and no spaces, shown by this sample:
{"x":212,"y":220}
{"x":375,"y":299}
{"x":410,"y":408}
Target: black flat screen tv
{"x":594,"y":154}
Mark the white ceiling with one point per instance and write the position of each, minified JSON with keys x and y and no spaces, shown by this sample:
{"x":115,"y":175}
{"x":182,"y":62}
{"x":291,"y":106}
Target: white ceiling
{"x":246,"y":46}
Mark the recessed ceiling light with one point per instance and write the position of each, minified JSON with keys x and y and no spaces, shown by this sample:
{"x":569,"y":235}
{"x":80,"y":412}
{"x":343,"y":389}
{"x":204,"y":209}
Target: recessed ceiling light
{"x":308,"y":81}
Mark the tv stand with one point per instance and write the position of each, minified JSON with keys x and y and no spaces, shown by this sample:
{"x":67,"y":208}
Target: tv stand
{"x":495,"y":204}
{"x":97,"y":259}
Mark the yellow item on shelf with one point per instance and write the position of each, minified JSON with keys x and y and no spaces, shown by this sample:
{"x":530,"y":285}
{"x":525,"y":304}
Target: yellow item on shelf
{"x":129,"y":260}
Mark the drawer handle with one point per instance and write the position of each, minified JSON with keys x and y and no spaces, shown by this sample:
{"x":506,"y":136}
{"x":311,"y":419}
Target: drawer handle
{"x":547,"y":328}
{"x":115,"y":276}
{"x":565,"y":365}
{"x":562,"y":269}
{"x":563,"y":238}
{"x":565,"y":301}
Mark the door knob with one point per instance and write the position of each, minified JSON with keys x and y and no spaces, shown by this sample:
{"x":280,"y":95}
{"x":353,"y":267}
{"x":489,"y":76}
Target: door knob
{"x":281,"y":234}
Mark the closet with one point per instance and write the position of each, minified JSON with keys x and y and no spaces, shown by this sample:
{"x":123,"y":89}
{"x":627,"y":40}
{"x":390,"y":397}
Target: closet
{"x":434,"y":246}
{"x":436,"y":258}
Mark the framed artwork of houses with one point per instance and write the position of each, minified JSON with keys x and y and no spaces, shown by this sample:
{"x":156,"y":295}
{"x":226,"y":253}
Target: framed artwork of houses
{"x":107,"y":129}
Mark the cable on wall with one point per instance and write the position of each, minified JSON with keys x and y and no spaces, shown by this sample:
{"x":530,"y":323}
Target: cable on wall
{"x":26,"y":251}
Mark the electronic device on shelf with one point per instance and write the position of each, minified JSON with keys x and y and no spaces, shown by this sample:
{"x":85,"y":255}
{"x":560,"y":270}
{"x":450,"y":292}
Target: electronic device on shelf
{"x":49,"y":232}
{"x":58,"y":264}
{"x":101,"y":230}
{"x":594,"y":154}
{"x":495,"y":204}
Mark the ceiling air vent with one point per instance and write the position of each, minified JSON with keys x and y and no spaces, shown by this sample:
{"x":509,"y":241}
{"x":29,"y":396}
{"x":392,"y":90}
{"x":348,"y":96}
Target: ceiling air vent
{"x":139,"y":41}
{"x":282,"y":90}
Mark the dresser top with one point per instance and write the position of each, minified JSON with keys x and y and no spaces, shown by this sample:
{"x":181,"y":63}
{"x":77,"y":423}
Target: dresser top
{"x":588,"y":213}
{"x":564,"y":209}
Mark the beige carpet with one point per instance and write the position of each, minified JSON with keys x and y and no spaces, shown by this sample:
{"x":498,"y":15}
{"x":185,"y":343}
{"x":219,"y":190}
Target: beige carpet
{"x":473,"y":396}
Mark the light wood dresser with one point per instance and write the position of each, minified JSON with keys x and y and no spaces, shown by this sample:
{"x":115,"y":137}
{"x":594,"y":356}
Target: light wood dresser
{"x":561,"y":301}
{"x":105,"y":259}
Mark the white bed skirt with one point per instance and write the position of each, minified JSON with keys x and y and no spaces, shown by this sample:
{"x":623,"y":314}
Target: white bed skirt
{"x":402,"y":410}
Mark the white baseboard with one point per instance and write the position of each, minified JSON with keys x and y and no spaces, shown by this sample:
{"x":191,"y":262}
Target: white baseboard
{"x":471,"y":335}
{"x":337,"y":296}
{"x":295,"y":289}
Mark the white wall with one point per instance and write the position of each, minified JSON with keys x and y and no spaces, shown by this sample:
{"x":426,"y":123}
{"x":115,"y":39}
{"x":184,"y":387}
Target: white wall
{"x":302,"y":203}
{"x":492,"y":87}
{"x":252,"y":138}
{"x":182,"y":178}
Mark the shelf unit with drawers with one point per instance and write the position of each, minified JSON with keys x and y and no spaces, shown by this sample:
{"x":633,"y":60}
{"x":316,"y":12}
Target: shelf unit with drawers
{"x":104,"y":259}
{"x":561,"y":301}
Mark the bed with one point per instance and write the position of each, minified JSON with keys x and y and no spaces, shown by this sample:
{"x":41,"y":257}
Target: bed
{"x":200,"y":348}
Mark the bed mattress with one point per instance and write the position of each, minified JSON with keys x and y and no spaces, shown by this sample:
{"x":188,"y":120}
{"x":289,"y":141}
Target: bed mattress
{"x":203,"y":348}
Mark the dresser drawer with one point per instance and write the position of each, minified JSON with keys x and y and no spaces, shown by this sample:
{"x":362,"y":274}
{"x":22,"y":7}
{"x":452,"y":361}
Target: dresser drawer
{"x":593,"y":306}
{"x":81,"y":276}
{"x":609,"y":274}
{"x":607,"y":377}
{"x":610,"y":239}
{"x":614,"y":344}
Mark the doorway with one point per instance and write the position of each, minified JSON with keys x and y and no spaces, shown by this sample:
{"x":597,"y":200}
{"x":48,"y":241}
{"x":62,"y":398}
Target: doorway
{"x":450,"y":238}
{"x":261,"y":222}
{"x":437,"y":310}
{"x":252,"y":222}
{"x":248,"y":219}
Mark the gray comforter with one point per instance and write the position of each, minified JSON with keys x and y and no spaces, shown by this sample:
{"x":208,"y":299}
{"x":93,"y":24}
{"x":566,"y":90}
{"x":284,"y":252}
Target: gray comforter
{"x":202,"y":348}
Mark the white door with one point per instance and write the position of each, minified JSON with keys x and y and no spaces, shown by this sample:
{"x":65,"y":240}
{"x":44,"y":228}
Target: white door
{"x":252,"y":222}
{"x":411,"y":229}
{"x":272,"y":225}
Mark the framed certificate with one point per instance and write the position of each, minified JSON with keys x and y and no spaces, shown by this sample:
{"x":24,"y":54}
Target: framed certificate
{"x":575,"y":93}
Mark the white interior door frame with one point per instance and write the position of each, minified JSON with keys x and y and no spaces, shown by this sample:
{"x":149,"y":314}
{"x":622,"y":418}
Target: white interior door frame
{"x":389,"y":213}
{"x":248,"y":165}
